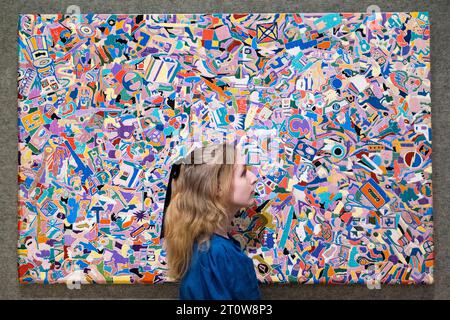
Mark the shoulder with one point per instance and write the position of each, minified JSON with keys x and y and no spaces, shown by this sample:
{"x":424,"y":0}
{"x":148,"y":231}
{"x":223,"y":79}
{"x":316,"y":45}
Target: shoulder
{"x":218,"y":246}
{"x":221,"y":271}
{"x":222,"y":253}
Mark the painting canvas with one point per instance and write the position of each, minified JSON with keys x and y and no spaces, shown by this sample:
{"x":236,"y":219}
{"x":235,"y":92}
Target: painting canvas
{"x":335,"y":108}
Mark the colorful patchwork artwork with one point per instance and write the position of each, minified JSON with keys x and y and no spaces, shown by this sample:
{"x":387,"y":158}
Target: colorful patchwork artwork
{"x":341,"y":101}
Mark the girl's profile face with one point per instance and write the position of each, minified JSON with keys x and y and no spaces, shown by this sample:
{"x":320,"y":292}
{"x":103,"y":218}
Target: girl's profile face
{"x":243,"y":183}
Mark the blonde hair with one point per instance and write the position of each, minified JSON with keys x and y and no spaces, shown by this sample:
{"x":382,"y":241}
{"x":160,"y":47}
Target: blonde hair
{"x":197,"y":206}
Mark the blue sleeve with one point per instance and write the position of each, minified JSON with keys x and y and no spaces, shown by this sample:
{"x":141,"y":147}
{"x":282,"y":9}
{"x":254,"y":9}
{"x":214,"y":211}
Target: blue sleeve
{"x":220,"y":274}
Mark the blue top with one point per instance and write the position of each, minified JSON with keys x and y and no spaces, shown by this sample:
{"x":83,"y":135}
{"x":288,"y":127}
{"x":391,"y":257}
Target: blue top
{"x":223,"y":272}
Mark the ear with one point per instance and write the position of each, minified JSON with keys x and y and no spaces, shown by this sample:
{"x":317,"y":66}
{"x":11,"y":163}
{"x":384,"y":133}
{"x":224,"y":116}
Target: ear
{"x":221,"y":191}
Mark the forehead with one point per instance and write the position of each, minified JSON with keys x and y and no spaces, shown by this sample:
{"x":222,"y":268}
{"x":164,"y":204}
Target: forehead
{"x":240,"y":156}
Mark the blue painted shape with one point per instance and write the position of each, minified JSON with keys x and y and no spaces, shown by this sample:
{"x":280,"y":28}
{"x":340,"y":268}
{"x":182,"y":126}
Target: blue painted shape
{"x":287,"y":228}
{"x":73,"y":210}
{"x":327,"y":22}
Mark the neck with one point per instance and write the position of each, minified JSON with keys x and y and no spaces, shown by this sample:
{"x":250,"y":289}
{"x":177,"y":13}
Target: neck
{"x":223,"y":229}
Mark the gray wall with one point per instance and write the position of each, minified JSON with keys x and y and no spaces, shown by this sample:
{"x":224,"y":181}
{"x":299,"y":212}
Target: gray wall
{"x":440,"y":95}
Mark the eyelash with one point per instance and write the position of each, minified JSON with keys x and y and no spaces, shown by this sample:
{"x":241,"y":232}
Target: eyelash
{"x":245,"y":171}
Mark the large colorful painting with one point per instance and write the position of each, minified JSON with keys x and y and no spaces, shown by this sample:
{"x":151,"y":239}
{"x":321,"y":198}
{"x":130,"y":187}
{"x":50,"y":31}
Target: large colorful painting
{"x":335,"y":107}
